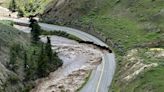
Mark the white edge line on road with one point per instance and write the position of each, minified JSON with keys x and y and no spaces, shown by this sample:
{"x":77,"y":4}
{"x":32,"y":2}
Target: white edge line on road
{"x":98,"y":85}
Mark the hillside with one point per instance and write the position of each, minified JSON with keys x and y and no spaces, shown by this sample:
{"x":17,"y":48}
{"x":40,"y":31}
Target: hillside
{"x":23,"y":60}
{"x":62,"y":11}
{"x":10,"y":81}
{"x":135,"y":27}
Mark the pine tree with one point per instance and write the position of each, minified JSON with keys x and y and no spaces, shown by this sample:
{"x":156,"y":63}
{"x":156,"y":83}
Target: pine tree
{"x":13,"y":59}
{"x":35,"y":30}
{"x":25,"y":61}
{"x":42,"y":63}
{"x":54,"y":61}
{"x":20,"y":13}
{"x":49,"y":49}
{"x":12,"y":6}
{"x":14,"y":52}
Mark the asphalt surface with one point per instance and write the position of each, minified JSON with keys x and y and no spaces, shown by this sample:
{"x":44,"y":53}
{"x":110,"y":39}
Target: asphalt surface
{"x":101,"y":78}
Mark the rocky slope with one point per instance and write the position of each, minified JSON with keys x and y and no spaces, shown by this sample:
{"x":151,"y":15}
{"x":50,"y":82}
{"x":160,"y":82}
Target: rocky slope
{"x":63,"y":11}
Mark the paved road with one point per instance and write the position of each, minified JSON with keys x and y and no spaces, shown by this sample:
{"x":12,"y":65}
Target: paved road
{"x":100,"y":78}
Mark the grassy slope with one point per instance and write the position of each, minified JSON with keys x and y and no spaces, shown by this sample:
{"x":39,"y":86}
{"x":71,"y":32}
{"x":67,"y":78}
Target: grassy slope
{"x":123,"y":26}
{"x":150,"y":81}
{"x":130,"y":23}
{"x":8,"y":37}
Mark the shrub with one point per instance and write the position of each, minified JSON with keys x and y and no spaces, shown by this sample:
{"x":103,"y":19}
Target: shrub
{"x":12,"y":6}
{"x":13,"y":79}
{"x":7,"y":22}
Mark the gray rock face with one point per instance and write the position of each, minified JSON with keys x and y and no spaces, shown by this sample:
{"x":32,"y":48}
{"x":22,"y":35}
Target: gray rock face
{"x":60,"y":11}
{"x":150,"y":27}
{"x":159,"y":16}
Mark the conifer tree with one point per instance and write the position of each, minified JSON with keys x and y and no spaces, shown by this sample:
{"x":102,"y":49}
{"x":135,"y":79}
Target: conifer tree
{"x":25,"y":60}
{"x":42,"y":63}
{"x":12,"y":6}
{"x":49,"y":49}
{"x":35,"y":30}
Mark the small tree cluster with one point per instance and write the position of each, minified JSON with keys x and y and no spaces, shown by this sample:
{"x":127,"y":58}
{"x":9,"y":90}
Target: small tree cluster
{"x":33,"y":61}
{"x":48,"y":60}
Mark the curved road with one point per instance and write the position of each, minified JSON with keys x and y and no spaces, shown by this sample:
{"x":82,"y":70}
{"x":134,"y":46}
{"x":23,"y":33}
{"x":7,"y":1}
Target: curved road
{"x":101,"y":78}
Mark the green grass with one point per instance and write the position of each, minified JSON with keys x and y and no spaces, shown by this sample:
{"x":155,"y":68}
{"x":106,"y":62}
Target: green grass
{"x":123,"y":26}
{"x":7,"y":22}
{"x":123,"y":31}
{"x":150,"y":81}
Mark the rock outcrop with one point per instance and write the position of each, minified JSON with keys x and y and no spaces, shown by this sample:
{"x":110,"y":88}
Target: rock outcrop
{"x":63,"y":11}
